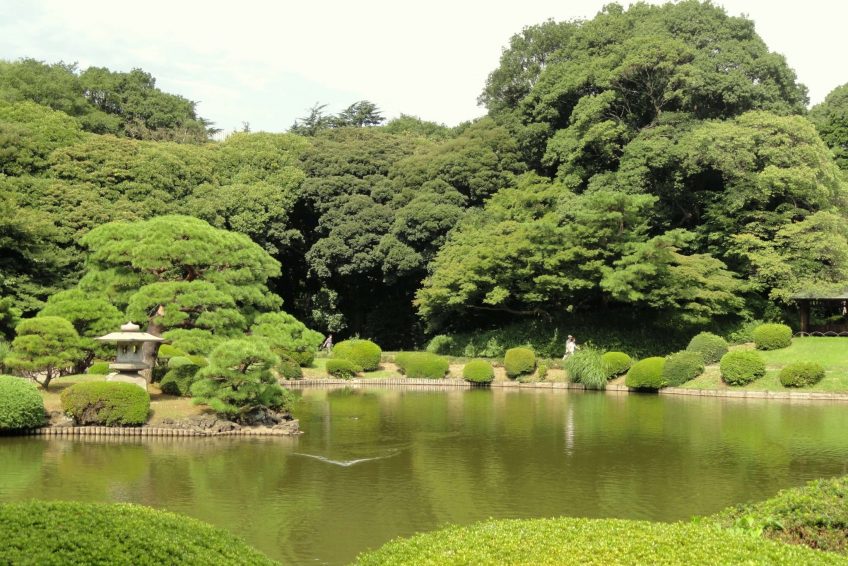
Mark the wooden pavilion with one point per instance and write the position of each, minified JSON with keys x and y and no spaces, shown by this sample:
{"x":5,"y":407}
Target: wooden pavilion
{"x":836,"y":303}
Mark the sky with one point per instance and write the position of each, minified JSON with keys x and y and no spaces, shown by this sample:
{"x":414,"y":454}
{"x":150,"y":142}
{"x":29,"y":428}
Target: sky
{"x":267,"y":62}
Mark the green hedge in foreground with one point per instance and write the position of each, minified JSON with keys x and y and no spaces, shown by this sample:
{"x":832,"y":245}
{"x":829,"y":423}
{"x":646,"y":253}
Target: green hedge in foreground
{"x":21,"y":406}
{"x":111,"y":403}
{"x":58,"y":533}
{"x":566,"y":541}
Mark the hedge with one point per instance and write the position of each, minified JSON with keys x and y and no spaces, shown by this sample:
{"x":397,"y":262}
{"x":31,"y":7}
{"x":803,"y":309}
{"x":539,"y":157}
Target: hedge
{"x":302,"y":358}
{"x":741,"y":368}
{"x":801,"y":374}
{"x":21,"y":406}
{"x":519,"y":361}
{"x":289,"y":368}
{"x":478,"y":371}
{"x":422,"y":365}
{"x":772,"y":336}
{"x":572,"y":541}
{"x":111,"y":403}
{"x":56,"y":533}
{"x":646,"y":374}
{"x":182,"y":371}
{"x":440,"y":344}
{"x":681,"y":367}
{"x":342,"y":369}
{"x":713,"y":347}
{"x":98,"y":368}
{"x":364,"y":353}
{"x":615,"y":363}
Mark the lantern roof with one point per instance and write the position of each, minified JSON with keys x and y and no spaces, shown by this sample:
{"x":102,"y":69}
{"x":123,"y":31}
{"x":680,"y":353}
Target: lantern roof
{"x":129,"y":333}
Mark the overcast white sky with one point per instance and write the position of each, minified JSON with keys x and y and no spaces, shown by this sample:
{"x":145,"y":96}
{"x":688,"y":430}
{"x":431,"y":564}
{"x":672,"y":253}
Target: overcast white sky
{"x":267,"y":62}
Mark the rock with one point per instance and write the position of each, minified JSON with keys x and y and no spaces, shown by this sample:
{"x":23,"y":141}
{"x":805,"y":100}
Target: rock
{"x":59,"y":419}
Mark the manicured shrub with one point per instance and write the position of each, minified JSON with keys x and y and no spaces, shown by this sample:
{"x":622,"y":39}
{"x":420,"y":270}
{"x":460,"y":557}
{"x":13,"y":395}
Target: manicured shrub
{"x":182,"y":373}
{"x":110,"y":403}
{"x":65,"y":532}
{"x":289,"y":368}
{"x":713,"y":347}
{"x":586,"y":366}
{"x":423,"y":365}
{"x":440,"y":344}
{"x":303,"y":358}
{"x":681,"y":367}
{"x":801,"y":374}
{"x":287,"y":336}
{"x":572,"y":541}
{"x":646,"y":374}
{"x":519,"y":361}
{"x":478,"y":371}
{"x":342,"y":368}
{"x":43,"y":347}
{"x":98,"y":368}
{"x":814,"y":515}
{"x":542,"y":371}
{"x":363,"y":353}
{"x":20,"y":404}
{"x":741,"y":368}
{"x":615,"y":363}
{"x":772,"y":336}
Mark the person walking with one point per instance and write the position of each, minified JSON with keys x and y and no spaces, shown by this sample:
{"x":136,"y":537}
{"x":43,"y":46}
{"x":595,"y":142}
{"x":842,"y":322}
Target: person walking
{"x":570,"y":346}
{"x":328,"y":343}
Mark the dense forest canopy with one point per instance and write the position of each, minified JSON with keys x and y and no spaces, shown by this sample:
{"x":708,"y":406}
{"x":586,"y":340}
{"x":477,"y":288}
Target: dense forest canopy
{"x":653,"y":166}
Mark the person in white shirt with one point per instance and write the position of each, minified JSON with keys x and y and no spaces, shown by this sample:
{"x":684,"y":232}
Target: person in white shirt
{"x":570,"y":346}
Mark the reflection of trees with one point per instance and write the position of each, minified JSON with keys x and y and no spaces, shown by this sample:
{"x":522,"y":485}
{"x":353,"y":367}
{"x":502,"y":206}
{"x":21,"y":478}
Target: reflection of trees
{"x":21,"y":462}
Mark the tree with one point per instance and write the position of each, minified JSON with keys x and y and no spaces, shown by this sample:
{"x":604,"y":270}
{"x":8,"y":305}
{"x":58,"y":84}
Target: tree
{"x":43,"y":348}
{"x":238,"y":381}
{"x":313,"y":123}
{"x":287,"y":336}
{"x":10,"y":316}
{"x":358,"y":115}
{"x":831,"y":120}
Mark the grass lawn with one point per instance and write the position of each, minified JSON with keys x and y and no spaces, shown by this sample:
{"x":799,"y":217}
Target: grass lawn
{"x":832,"y":353}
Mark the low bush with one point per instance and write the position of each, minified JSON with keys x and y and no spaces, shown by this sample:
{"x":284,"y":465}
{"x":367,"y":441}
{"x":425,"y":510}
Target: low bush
{"x":422,"y":365}
{"x":440,"y":344}
{"x":741,"y":368}
{"x":364,"y":353}
{"x":342,"y":369}
{"x":478,"y":371}
{"x":519,"y":361}
{"x":615,"y":363}
{"x":21,"y":406}
{"x":181,"y":374}
{"x":542,"y":372}
{"x":98,"y":368}
{"x":713,"y":347}
{"x":646,"y":374}
{"x":681,"y":367}
{"x":302,"y":358}
{"x":772,"y":336}
{"x":586,"y":366}
{"x":110,"y":403}
{"x":572,"y":541}
{"x":801,"y":374}
{"x":289,"y":368}
{"x":814,"y":515}
{"x":65,"y":532}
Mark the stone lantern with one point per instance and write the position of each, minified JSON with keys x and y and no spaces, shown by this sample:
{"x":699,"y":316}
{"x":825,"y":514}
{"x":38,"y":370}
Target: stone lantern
{"x":129,"y":360}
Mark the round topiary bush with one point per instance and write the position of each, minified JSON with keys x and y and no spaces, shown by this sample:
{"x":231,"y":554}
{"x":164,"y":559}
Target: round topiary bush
{"x":342,"y":369}
{"x":772,"y":336}
{"x":422,"y":365}
{"x":478,"y":371}
{"x":801,"y":374}
{"x":440,"y":344}
{"x":289,"y":368}
{"x":572,"y":541}
{"x":713,"y":347}
{"x":111,"y":403}
{"x":180,"y":375}
{"x":364,"y":353}
{"x":741,"y":368}
{"x":303,"y":358}
{"x":519,"y":361}
{"x":21,"y":406}
{"x":646,"y":374}
{"x":98,"y":368}
{"x":681,"y":367}
{"x":615,"y":363}
{"x":65,"y":532}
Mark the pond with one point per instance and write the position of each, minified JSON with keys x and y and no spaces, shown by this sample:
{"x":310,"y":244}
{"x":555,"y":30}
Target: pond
{"x":378,"y":463}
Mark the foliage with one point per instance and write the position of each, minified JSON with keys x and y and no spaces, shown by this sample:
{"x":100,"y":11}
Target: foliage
{"x":519,"y":361}
{"x":680,"y":367}
{"x":98,"y":368}
{"x":44,"y":346}
{"x":65,"y":532}
{"x":342,"y":368}
{"x":289,"y":368}
{"x":831,"y":120}
{"x":287,"y":336}
{"x":772,"y":336}
{"x":110,"y":403}
{"x":238,"y":380}
{"x":801,"y":374}
{"x":615,"y":363}
{"x":10,"y":316}
{"x":478,"y":371}
{"x":181,"y":374}
{"x":711,"y":346}
{"x":542,"y":371}
{"x":422,"y":365}
{"x":440,"y":344}
{"x":741,"y":367}
{"x":587,"y":366}
{"x":21,"y":406}
{"x":647,"y":374}
{"x":814,"y":515}
{"x":572,"y":541}
{"x":363,"y":353}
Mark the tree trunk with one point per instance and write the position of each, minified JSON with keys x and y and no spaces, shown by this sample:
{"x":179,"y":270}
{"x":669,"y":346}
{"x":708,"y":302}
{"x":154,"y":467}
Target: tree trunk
{"x":150,"y":350}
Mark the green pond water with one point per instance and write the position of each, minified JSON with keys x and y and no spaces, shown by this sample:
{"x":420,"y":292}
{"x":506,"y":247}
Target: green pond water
{"x":376,"y":463}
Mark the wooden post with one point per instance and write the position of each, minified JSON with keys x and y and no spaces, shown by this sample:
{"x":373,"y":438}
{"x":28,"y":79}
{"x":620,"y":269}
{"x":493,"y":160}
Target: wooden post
{"x":804,"y":306}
